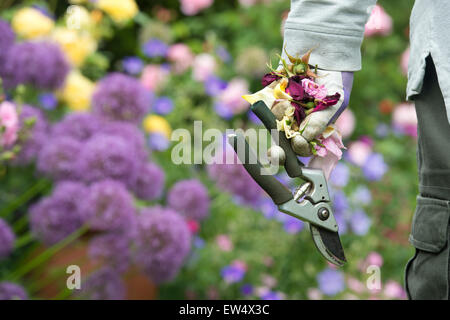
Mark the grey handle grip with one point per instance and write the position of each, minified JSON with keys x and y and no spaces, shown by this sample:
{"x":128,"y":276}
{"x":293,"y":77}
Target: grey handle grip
{"x":292,"y":164}
{"x":277,"y":191}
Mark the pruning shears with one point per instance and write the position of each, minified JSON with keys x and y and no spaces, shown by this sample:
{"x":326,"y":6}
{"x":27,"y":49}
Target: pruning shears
{"x":310,"y":202}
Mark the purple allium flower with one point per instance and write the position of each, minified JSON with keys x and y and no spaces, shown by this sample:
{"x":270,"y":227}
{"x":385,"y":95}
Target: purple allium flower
{"x":223,"y":110}
{"x":149,"y":183}
{"x":121,"y":97}
{"x":189,"y":198}
{"x":132,"y":65}
{"x":55,"y":217}
{"x":360,"y":222}
{"x":107,"y":156}
{"x":162,"y":244}
{"x":40,"y":64}
{"x":158,"y":141}
{"x":247,"y":289}
{"x":232,"y":273}
{"x":12,"y":291}
{"x":58,"y":158}
{"x":340,"y":175}
{"x":374,"y":168}
{"x":7,"y":38}
{"x":48,"y":101}
{"x":362,"y":195}
{"x":271,"y":295}
{"x":79,"y":126}
{"x":37,"y":137}
{"x":163,"y":105}
{"x":109,"y":207}
{"x":340,"y":201}
{"x":130,"y":133}
{"x":214,"y":85}
{"x":233,"y":177}
{"x":293,"y":225}
{"x":7,"y":239}
{"x":103,"y":284}
{"x":331,"y":282}
{"x":112,"y":249}
{"x":154,"y":48}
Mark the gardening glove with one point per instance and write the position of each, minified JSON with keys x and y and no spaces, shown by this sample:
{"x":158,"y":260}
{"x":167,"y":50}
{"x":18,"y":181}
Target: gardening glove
{"x":315,"y":123}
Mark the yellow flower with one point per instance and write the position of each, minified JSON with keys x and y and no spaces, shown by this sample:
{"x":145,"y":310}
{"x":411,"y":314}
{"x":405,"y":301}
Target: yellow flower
{"x":154,"y":123}
{"x":119,"y":10}
{"x":280,"y":90}
{"x":76,"y":45}
{"x":77,"y":91}
{"x":30,"y":23}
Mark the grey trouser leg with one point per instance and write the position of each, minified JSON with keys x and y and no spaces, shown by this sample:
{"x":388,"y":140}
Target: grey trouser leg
{"x":427,"y":273}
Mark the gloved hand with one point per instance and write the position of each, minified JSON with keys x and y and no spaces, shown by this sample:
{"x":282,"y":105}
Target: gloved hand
{"x":315,"y":123}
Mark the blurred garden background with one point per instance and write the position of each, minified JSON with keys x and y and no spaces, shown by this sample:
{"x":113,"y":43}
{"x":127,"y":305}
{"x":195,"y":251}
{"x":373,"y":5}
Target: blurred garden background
{"x":91,"y":91}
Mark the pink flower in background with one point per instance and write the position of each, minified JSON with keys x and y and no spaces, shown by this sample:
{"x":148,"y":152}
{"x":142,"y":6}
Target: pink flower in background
{"x":404,"y":119}
{"x":404,"y":61}
{"x":154,"y":77}
{"x":224,"y":242}
{"x":346,"y":123}
{"x":239,"y":264}
{"x":313,"y":89}
{"x":204,"y":65}
{"x":358,"y":152}
{"x":193,"y":226}
{"x":379,"y":23}
{"x":268,"y":280}
{"x":231,"y":96}
{"x":181,"y":56}
{"x":192,"y":7}
{"x":394,"y":290}
{"x":355,"y":285}
{"x":247,"y":3}
{"x":9,"y":123}
{"x":314,"y":294}
{"x":374,"y":258}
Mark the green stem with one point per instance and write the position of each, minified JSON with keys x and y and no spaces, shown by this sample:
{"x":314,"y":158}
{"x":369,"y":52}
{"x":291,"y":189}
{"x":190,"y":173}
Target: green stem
{"x":47,"y":254}
{"x":23,"y":240}
{"x":20,"y":224}
{"x":24,"y":197}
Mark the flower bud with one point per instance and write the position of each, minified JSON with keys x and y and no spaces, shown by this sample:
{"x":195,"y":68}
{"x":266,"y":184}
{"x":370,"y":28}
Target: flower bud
{"x":300,"y":146}
{"x":276,"y":155}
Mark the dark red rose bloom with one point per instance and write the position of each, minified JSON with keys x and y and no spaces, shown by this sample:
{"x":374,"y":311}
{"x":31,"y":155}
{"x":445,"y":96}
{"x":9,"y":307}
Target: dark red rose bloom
{"x":295,"y":90}
{"x":268,"y":78}
{"x":298,"y":78}
{"x":328,"y":101}
{"x":299,"y":113}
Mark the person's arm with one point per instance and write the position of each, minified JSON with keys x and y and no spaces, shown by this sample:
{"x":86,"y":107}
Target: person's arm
{"x":335,"y":28}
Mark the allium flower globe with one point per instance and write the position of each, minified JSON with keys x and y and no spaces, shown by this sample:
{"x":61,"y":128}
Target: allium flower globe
{"x":109,"y":207}
{"x":162,"y":243}
{"x":103,"y":284}
{"x":7,"y":239}
{"x":112,"y":249}
{"x":79,"y":126}
{"x":12,"y":291}
{"x":7,"y":38}
{"x":189,"y":198}
{"x":149,"y":183}
{"x":55,"y":217}
{"x":121,"y":97}
{"x":58,"y":158}
{"x":107,"y":156}
{"x":40,"y":64}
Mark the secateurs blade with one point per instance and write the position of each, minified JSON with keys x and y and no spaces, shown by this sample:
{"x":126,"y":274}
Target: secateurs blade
{"x":310,"y":202}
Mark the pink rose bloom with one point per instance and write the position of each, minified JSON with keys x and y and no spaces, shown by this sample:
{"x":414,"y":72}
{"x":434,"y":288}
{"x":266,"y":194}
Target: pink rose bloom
{"x":313,"y":89}
{"x":358,"y":151}
{"x":9,"y":122}
{"x":181,"y":56}
{"x":394,"y":290}
{"x":224,"y":242}
{"x":379,"y":23}
{"x":346,"y":123}
{"x":232,"y":95}
{"x":204,"y":66}
{"x":154,"y":77}
{"x":192,"y":7}
{"x":404,"y":118}
{"x":404,"y":61}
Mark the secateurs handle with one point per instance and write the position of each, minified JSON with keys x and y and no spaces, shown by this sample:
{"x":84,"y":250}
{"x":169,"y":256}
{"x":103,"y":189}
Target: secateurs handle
{"x":277,"y":191}
{"x":292,"y":164}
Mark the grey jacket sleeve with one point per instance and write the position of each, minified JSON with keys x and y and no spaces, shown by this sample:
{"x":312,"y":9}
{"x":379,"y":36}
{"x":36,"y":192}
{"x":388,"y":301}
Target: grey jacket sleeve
{"x":334,"y":27}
